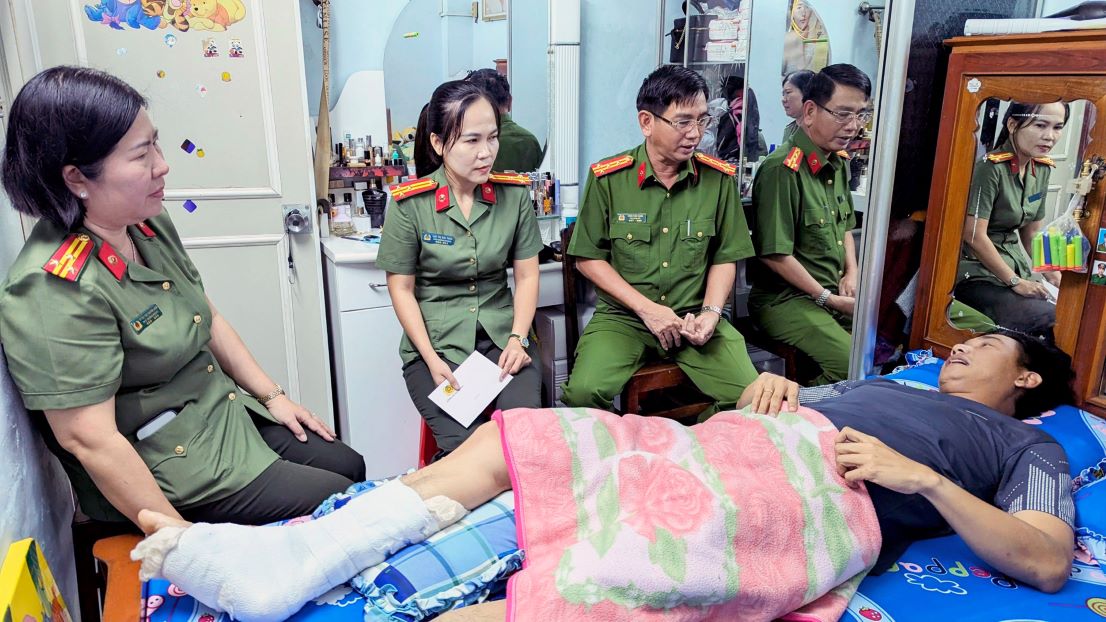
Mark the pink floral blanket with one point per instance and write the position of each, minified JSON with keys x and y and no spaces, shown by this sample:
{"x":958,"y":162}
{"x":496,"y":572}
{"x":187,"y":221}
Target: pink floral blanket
{"x":743,"y":517}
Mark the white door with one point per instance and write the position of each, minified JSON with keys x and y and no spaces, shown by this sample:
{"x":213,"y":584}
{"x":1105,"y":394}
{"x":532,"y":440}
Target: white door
{"x":228,"y":96}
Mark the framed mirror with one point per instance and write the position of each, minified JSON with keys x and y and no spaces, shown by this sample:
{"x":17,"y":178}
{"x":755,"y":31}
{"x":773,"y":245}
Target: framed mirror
{"x":1016,"y":249}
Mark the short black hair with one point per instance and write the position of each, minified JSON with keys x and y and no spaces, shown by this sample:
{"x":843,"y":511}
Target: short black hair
{"x":495,"y":84}
{"x":670,"y":84}
{"x":1040,"y":355}
{"x":445,"y":116}
{"x":64,"y":115}
{"x":798,"y":79}
{"x":822,"y":84}
{"x":1023,"y":115}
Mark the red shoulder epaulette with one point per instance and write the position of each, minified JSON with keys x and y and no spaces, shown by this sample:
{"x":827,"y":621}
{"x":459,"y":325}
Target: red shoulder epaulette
{"x":514,"y":179}
{"x":1000,"y":156}
{"x":411,"y":188}
{"x":1045,"y":160}
{"x":606,"y":167}
{"x":71,"y":257}
{"x":794,"y":159}
{"x":719,"y":165}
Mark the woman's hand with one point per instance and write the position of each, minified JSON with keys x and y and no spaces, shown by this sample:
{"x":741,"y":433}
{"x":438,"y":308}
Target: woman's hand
{"x":513,"y":358}
{"x":768,"y":393}
{"x":1053,"y":277}
{"x":295,"y":417}
{"x":440,"y":372}
{"x":1031,"y":289}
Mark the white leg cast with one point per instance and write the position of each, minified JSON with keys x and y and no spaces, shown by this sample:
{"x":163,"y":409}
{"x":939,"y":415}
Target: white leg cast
{"x":262,"y":574}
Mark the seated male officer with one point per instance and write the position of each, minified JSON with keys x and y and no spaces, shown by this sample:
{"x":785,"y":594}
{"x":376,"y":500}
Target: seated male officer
{"x":519,"y":149}
{"x":659,"y":231}
{"x":804,"y":284}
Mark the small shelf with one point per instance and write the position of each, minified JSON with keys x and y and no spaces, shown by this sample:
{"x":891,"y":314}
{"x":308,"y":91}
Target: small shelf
{"x":338,"y":173}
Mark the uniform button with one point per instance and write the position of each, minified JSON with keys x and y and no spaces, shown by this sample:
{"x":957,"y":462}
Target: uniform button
{"x":197,"y":318}
{"x":468,"y":234}
{"x":663,"y":296}
{"x":667,"y":194}
{"x":833,"y":213}
{"x":821,"y":221}
{"x":210,"y":369}
{"x":231,"y":396}
{"x":829,"y":181}
{"x":629,"y":236}
{"x":472,"y":288}
{"x":178,"y":450}
{"x":840,"y":242}
{"x":472,"y":260}
{"x":664,"y":230}
{"x":699,"y":234}
{"x":840,"y":273}
{"x":472,"y":309}
{"x":166,"y":286}
{"x":664,"y":264}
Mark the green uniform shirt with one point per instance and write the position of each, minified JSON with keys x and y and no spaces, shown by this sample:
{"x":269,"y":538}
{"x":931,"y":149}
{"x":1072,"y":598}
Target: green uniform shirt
{"x":789,"y":130}
{"x":460,"y":266}
{"x":801,"y":207}
{"x":999,"y":195}
{"x":660,"y":240}
{"x":143,"y":339}
{"x":519,"y":150}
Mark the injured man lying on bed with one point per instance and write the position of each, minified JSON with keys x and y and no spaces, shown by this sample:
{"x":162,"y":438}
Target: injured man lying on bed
{"x":742,"y":516}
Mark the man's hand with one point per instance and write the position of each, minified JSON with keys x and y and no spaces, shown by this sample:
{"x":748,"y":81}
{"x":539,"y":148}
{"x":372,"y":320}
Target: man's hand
{"x":295,"y":417}
{"x":513,"y":358}
{"x":664,"y":324}
{"x":767,"y":393}
{"x":699,"y":329}
{"x":842,"y":304}
{"x":847,"y":285}
{"x":864,"y":457}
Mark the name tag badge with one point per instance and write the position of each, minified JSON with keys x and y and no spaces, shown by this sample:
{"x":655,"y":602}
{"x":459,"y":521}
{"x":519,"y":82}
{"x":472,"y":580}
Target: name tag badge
{"x":437,"y":238}
{"x":144,"y":319}
{"x":1035,"y":197}
{"x":634,"y":217}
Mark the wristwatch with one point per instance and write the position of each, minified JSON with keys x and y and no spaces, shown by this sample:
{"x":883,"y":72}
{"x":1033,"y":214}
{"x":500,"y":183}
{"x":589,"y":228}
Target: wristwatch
{"x":821,"y":300}
{"x":522,"y":340}
{"x":712,"y":308}
{"x":1014,"y":280}
{"x":275,"y":393}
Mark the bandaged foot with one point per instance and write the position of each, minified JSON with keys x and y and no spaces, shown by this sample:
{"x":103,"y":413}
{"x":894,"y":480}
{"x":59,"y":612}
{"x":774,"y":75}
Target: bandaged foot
{"x":258,"y":574}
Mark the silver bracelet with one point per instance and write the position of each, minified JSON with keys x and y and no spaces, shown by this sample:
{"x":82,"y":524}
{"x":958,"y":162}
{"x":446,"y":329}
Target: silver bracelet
{"x":821,"y":300}
{"x":713,"y":308}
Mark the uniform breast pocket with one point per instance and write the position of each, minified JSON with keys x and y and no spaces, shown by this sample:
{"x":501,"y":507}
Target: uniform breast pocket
{"x":630,"y":246}
{"x":166,"y":451}
{"x":695,"y":239}
{"x":817,"y":231}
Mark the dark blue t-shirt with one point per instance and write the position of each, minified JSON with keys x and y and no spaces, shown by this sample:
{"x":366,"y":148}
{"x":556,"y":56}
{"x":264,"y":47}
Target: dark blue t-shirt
{"x":995,"y":457}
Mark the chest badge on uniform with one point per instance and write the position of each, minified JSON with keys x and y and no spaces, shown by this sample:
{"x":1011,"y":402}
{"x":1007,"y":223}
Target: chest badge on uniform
{"x":437,"y":238}
{"x":634,"y":217}
{"x":144,"y":319}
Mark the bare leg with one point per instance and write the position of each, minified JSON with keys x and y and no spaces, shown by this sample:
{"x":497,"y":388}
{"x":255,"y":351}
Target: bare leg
{"x":473,"y":474}
{"x":484,"y":612}
{"x":267,"y":573}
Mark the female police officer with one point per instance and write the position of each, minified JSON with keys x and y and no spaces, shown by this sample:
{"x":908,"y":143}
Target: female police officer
{"x":107,"y":330}
{"x":446,"y":245}
{"x":1006,"y":208}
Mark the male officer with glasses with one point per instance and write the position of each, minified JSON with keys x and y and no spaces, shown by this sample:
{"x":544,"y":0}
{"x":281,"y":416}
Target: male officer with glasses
{"x":804,"y":284}
{"x":659,"y":232}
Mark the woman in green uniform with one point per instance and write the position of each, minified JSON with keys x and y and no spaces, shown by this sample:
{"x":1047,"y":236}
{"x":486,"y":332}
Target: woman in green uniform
{"x":108,"y":332}
{"x":1006,"y":208}
{"x":447,"y":242}
{"x":794,"y":84}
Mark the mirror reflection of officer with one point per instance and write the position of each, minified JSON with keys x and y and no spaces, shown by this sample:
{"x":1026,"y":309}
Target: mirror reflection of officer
{"x":659,"y":232}
{"x":804,"y":284}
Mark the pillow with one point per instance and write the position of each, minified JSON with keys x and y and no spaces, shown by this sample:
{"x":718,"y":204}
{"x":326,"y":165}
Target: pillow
{"x":1090,"y":517}
{"x":1082,"y":435}
{"x":466,"y":563}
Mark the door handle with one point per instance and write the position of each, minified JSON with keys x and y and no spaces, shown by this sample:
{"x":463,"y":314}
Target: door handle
{"x":297,"y":219}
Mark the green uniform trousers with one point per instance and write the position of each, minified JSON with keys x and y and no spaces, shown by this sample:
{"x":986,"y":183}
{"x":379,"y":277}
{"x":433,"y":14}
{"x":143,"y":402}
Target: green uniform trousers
{"x":821,"y":333}
{"x":613,"y":347}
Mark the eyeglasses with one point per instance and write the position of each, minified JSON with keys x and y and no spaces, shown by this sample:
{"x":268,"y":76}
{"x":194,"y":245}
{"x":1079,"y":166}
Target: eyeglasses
{"x":843,"y":117}
{"x":685,"y":125}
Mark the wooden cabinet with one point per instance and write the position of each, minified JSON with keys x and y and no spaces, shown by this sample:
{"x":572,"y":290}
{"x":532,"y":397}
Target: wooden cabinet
{"x":986,"y":71}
